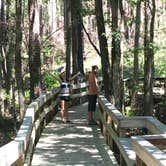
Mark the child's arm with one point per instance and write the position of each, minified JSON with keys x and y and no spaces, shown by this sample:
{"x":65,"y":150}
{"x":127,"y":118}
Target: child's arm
{"x":73,"y":77}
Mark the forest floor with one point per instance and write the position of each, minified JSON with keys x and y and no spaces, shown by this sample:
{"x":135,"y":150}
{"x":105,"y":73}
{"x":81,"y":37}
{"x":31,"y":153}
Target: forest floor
{"x":7,"y":130}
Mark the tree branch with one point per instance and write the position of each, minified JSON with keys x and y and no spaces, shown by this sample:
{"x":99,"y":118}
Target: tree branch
{"x":98,"y":52}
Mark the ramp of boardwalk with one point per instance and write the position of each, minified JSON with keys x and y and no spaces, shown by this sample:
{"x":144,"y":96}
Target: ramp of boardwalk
{"x":72,"y":144}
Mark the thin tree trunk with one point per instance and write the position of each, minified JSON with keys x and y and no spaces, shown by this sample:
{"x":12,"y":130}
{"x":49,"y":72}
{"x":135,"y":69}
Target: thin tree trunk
{"x":117,"y":76}
{"x":74,"y":20}
{"x":136,"y":53}
{"x":18,"y":62}
{"x":105,"y":62}
{"x":148,"y":57}
{"x":34,"y":48}
{"x":80,"y":45}
{"x":7,"y":49}
{"x":67,"y":31}
{"x":2,"y":42}
{"x":77,"y":35}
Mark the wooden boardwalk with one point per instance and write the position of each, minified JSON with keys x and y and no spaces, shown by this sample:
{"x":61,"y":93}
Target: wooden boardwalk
{"x":74,"y":144}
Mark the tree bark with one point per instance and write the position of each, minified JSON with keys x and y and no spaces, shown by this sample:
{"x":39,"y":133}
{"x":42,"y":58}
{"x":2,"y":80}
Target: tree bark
{"x":117,"y":68}
{"x":105,"y":62}
{"x":136,"y":53}
{"x":2,"y":43}
{"x":18,"y":62}
{"x":74,"y":20}
{"x":67,"y":31}
{"x":34,"y":48}
{"x":77,"y":35}
{"x":148,"y":57}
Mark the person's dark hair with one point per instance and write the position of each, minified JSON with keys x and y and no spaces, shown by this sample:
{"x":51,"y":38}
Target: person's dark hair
{"x":94,"y":67}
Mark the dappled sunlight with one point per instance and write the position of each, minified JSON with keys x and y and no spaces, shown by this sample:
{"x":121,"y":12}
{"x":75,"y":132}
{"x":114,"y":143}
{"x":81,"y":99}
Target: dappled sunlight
{"x":68,"y":144}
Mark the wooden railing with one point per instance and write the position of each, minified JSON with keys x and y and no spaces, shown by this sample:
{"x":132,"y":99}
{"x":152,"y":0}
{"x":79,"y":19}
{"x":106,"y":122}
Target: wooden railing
{"x":136,"y":140}
{"x":117,"y":129}
{"x":19,"y":151}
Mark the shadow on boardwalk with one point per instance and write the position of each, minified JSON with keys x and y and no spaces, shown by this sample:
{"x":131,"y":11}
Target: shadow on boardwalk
{"x":74,"y":144}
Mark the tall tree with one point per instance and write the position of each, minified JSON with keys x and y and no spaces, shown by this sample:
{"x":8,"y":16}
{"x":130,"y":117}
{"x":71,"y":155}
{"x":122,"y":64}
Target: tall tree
{"x":117,"y":76}
{"x":67,"y":32}
{"x":7,"y":48}
{"x":18,"y":62}
{"x":136,"y":51}
{"x":77,"y":35}
{"x":2,"y":45}
{"x":105,"y":62}
{"x":80,"y":39}
{"x":51,"y":16}
{"x":34,"y":47}
{"x":150,"y":8}
{"x":74,"y":20}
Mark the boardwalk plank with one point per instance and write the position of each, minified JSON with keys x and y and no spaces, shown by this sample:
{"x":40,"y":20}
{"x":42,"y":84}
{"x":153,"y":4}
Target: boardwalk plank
{"x":74,"y":144}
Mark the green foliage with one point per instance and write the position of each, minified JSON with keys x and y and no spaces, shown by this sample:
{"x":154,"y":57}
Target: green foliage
{"x":116,"y":35}
{"x":130,"y":21}
{"x":129,"y":112}
{"x":10,"y":134}
{"x":50,"y":79}
{"x":27,"y":94}
{"x":133,"y":2}
{"x":129,"y":60}
{"x":154,"y":47}
{"x":159,"y":63}
{"x":87,"y":10}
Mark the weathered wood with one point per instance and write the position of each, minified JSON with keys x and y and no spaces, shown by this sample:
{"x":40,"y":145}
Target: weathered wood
{"x":155,"y":126}
{"x":123,"y":144}
{"x":110,"y":109}
{"x":139,"y":162}
{"x":148,"y":153}
{"x":127,"y":152}
{"x":23,"y":144}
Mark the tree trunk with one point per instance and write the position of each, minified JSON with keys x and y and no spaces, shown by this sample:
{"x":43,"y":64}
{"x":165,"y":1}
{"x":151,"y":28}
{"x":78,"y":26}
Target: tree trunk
{"x":105,"y":62}
{"x":148,"y":57}
{"x":18,"y":63}
{"x":7,"y":54}
{"x":117,"y":76}
{"x":2,"y":43}
{"x":80,"y":45}
{"x":67,"y":31}
{"x":34,"y":48}
{"x":77,"y":35}
{"x":74,"y":36}
{"x":51,"y":16}
{"x":136,"y":53}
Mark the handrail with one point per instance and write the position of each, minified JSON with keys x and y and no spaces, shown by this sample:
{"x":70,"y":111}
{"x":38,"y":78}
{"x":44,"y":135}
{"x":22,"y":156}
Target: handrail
{"x":115,"y":128}
{"x":19,"y":151}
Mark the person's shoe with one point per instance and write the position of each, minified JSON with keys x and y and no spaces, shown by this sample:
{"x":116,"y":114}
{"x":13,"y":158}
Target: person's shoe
{"x":66,"y":121}
{"x":92,"y":122}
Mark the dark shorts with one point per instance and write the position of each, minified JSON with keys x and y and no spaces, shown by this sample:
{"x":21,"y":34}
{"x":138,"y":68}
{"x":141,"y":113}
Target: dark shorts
{"x":92,"y":99}
{"x":65,"y":98}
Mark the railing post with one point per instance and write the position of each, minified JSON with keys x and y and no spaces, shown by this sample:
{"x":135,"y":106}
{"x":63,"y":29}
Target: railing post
{"x":139,"y":162}
{"x":19,"y":162}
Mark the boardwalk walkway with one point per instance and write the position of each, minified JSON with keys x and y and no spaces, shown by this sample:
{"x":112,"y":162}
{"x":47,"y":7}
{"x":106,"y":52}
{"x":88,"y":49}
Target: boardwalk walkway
{"x":74,"y":144}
